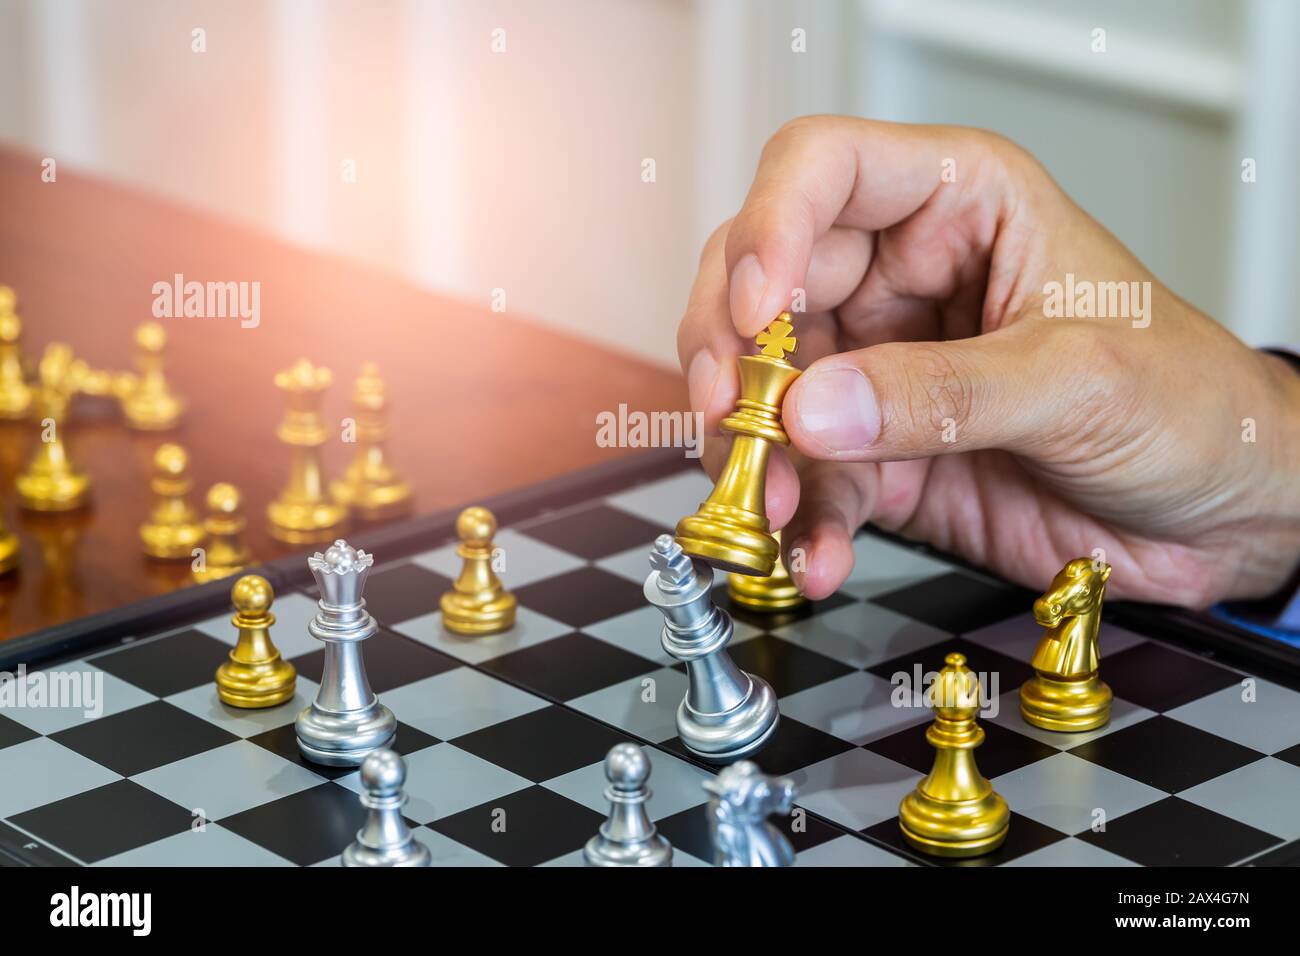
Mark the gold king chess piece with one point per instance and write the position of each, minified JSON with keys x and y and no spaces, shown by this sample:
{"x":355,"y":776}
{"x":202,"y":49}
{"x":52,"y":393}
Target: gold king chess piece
{"x":954,"y":812}
{"x":371,"y":488}
{"x":477,"y":602}
{"x":303,"y":514}
{"x":1066,"y":693}
{"x":226,"y":553}
{"x":255,"y":676}
{"x":730,"y":529}
{"x":776,"y":592}
{"x":172,"y":531}
{"x":148,"y":402}
{"x":51,"y":482}
{"x":15,"y":392}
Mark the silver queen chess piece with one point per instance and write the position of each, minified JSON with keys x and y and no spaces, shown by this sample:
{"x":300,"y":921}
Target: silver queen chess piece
{"x":726,"y":714}
{"x":346,"y":721}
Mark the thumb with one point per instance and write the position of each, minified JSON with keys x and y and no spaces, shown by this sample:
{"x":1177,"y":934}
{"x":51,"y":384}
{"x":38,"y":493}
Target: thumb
{"x":903,"y":400}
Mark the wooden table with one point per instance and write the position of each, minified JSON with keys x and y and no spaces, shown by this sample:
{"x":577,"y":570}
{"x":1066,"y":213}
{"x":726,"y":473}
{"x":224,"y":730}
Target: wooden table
{"x":482,"y":402}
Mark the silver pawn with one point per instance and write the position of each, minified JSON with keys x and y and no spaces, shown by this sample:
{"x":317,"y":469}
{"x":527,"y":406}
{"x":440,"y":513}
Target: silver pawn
{"x":741,"y":798}
{"x":346,"y":721}
{"x":384,"y":839}
{"x":627,"y":837}
{"x":727,"y":714}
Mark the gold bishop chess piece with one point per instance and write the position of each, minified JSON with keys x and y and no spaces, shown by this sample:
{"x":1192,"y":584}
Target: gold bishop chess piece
{"x":226,"y":553}
{"x":148,"y":402}
{"x":477,"y":602}
{"x":1066,"y":692}
{"x":15,"y":391}
{"x":172,"y":530}
{"x":51,"y":482}
{"x":954,"y":812}
{"x":255,"y":676}
{"x":730,"y":529}
{"x":371,"y":488}
{"x":776,"y":592}
{"x":303,"y":514}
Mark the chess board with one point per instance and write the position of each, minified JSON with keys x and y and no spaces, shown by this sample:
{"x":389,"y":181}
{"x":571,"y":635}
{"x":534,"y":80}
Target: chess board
{"x":505,"y":736}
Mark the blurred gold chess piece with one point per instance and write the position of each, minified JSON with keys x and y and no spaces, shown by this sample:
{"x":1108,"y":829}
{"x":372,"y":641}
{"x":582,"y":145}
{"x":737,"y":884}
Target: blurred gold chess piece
{"x":51,"y":482}
{"x":730,"y":530}
{"x":1067,"y":693}
{"x":148,"y":402}
{"x":172,"y":531}
{"x":225,"y":553}
{"x":477,"y":602}
{"x":10,"y":549}
{"x":15,"y":392}
{"x":954,"y":812}
{"x":776,"y":592}
{"x":256,"y":675}
{"x":303,"y":514}
{"x":371,"y":487}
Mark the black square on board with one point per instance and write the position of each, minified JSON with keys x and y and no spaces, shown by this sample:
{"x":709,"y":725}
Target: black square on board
{"x":524,"y":828}
{"x":543,"y":744}
{"x":788,"y":667}
{"x":283,"y":741}
{"x":956,"y":602}
{"x":105,"y":821}
{"x":1003,"y":750}
{"x":985,"y":662}
{"x":688,"y":831}
{"x":305,"y":827}
{"x":1166,"y":754}
{"x":401,"y":593}
{"x":167,"y":665}
{"x":1173,"y":832}
{"x":582,"y":596}
{"x":12,"y":732}
{"x":596,"y":532}
{"x":792,"y":747}
{"x":569,"y":667}
{"x":143,"y":738}
{"x":1160,"y":679}
{"x":391,"y":661}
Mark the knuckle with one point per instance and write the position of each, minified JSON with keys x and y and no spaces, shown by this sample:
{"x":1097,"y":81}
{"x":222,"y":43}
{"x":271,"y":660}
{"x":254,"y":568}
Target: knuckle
{"x":1097,"y":378}
{"x":940,"y":390}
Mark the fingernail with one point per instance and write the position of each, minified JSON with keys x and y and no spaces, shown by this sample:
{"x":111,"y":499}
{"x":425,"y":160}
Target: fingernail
{"x":746,"y":289}
{"x":797,"y":564}
{"x":701,"y":378}
{"x":837,"y":408}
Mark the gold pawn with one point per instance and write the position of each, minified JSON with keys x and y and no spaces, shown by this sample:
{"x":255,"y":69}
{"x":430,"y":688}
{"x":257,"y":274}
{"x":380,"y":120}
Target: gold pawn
{"x":148,"y":402}
{"x":226,"y":552}
{"x":1066,"y":692}
{"x":173,"y":530}
{"x":15,"y":392}
{"x":776,"y":592}
{"x":302,"y":514}
{"x":730,"y":530}
{"x":477,"y":603}
{"x":255,"y":676}
{"x":954,"y":812}
{"x":371,"y":487}
{"x":51,"y":482}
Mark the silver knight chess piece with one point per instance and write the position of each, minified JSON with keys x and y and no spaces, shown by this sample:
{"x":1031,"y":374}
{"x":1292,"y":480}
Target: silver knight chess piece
{"x":384,"y":839}
{"x":741,"y":798}
{"x":346,"y":721}
{"x":627,"y":837}
{"x":727,"y":714}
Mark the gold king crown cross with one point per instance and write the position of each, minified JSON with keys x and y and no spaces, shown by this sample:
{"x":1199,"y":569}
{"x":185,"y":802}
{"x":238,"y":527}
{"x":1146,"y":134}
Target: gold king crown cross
{"x":776,"y":341}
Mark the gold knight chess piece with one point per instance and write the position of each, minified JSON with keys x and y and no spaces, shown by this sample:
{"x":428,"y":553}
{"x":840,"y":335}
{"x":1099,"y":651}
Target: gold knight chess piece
{"x":148,"y":402}
{"x":730,"y":530}
{"x":255,"y":676}
{"x":1066,"y":692}
{"x":954,"y":812}
{"x":15,"y":391}
{"x":172,"y":530}
{"x":371,"y":487}
{"x":477,"y":602}
{"x":776,"y":592}
{"x":226,"y":553}
{"x":303,"y":514}
{"x":51,"y":481}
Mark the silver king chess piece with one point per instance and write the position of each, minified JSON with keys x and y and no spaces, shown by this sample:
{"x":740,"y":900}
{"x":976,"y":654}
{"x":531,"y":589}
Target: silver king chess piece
{"x":384,"y":839}
{"x":727,"y":714}
{"x":346,"y":721}
{"x":627,"y":837}
{"x":741,"y":798}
